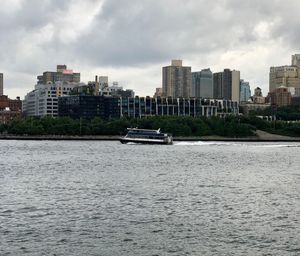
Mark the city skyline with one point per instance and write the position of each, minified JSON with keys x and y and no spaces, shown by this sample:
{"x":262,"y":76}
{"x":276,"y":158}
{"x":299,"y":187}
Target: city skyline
{"x":131,"y":42}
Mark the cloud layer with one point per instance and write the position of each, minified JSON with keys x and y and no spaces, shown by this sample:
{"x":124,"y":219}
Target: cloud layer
{"x":131,"y":40}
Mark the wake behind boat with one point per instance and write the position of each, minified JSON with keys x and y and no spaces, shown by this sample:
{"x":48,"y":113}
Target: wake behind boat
{"x":146,"y":136}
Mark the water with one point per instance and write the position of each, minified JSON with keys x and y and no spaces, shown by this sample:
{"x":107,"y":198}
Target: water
{"x":192,"y":198}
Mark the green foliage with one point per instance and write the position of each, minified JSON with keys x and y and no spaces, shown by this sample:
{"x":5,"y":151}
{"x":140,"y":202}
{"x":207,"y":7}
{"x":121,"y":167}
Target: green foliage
{"x":286,"y":113}
{"x":231,"y":126}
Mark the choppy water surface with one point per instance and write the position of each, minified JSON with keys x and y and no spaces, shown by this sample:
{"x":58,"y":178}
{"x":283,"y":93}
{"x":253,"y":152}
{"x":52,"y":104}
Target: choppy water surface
{"x":192,"y":198}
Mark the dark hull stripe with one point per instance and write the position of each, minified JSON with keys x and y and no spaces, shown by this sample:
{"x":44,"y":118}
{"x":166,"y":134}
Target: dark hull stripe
{"x":144,"y":142}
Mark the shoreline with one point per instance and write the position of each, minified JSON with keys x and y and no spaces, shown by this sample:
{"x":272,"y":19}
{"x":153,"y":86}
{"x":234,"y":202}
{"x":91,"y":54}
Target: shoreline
{"x":260,"y":138}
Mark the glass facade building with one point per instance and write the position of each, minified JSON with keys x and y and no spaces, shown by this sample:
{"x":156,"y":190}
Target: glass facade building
{"x":89,"y":106}
{"x":202,"y":84}
{"x":138,"y":107}
{"x":245,"y":92}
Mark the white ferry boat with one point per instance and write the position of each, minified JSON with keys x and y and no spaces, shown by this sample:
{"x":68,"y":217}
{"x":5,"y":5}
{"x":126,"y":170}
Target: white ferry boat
{"x":146,"y":136}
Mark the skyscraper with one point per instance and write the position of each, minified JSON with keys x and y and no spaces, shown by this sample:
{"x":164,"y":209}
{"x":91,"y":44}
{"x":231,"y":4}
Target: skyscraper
{"x":202,"y":84}
{"x":245,"y":92}
{"x":1,"y":84}
{"x":176,"y":80}
{"x":288,"y":76}
{"x":227,"y":85}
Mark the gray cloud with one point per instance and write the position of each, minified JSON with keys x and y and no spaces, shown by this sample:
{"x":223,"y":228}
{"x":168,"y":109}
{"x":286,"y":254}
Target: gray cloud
{"x":150,"y":31}
{"x":116,"y":36}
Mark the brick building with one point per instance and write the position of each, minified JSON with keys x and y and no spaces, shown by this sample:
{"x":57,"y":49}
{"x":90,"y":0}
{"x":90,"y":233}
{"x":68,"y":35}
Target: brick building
{"x":280,"y":97}
{"x":9,"y":109}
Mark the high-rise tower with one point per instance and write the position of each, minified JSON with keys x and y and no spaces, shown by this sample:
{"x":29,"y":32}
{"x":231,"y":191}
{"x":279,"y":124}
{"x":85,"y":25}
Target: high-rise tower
{"x":227,"y":85}
{"x":288,"y":76}
{"x":176,"y":80}
{"x":202,"y":84}
{"x":245,"y":92}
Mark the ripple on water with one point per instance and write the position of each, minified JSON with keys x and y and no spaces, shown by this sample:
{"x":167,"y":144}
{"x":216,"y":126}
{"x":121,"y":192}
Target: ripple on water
{"x":193,"y":198}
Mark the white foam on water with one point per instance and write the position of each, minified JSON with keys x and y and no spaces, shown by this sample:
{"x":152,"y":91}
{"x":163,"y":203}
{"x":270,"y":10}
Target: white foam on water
{"x":203,"y":143}
{"x":229,"y":143}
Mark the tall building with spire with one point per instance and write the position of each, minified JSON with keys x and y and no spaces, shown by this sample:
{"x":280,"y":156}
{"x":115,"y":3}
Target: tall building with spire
{"x":176,"y":80}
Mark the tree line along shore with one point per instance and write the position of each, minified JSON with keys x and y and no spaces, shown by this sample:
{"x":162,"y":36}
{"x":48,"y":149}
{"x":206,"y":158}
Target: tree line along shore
{"x":229,"y":126}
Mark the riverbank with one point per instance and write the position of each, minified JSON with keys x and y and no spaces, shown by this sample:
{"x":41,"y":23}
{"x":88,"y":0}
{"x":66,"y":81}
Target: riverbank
{"x":261,"y":136}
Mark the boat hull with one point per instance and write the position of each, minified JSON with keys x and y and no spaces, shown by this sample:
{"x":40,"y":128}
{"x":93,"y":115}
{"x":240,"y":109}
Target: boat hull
{"x":141,"y":141}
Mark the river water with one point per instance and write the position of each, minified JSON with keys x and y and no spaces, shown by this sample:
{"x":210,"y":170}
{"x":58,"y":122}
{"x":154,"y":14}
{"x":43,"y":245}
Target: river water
{"x":192,"y":198}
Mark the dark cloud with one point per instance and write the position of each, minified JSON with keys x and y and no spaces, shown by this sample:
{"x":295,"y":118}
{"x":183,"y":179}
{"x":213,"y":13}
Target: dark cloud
{"x":154,"y":31}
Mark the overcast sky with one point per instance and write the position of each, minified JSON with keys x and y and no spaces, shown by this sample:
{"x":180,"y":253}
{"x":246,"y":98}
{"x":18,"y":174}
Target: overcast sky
{"x":130,"y":40}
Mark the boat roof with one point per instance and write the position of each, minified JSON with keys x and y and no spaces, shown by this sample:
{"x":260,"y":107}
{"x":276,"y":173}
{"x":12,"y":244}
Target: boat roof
{"x":149,"y":130}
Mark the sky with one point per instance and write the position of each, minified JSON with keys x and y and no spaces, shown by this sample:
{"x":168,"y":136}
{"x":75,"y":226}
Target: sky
{"x":131,"y":40}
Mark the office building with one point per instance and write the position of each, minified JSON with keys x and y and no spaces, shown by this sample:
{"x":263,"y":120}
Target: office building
{"x":296,"y":60}
{"x":227,"y":85}
{"x":1,"y":84}
{"x":9,"y":109}
{"x":103,"y":81}
{"x":89,"y":106}
{"x":202,"y":84}
{"x":176,"y":80}
{"x":287,"y":76}
{"x":115,"y":90}
{"x":62,"y":74}
{"x":280,"y":97}
{"x":9,"y":104}
{"x":138,"y":107}
{"x":245,"y":92}
{"x":43,"y":100}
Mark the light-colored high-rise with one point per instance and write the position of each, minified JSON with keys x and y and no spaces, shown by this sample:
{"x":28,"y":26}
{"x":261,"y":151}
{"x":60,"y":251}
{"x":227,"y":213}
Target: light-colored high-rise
{"x":288,"y":76}
{"x":1,"y":84}
{"x":176,"y":80}
{"x":296,"y":60}
{"x":43,"y":100}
